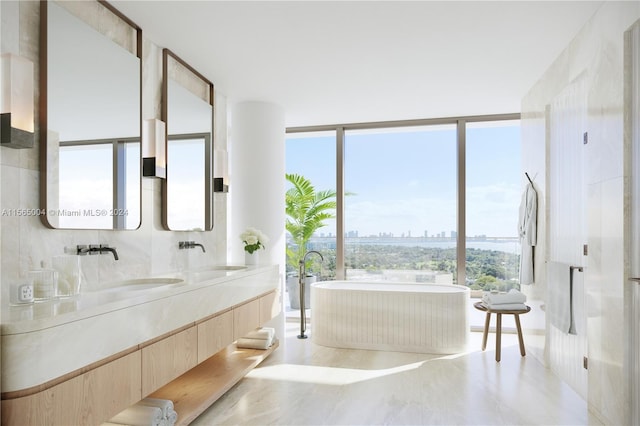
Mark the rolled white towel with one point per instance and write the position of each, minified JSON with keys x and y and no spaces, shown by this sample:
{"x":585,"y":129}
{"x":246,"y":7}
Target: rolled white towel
{"x":165,"y":405}
{"x":506,"y":306}
{"x":243,"y":342}
{"x":264,"y":333}
{"x":171,"y":418}
{"x":513,"y":296}
{"x":139,"y":415}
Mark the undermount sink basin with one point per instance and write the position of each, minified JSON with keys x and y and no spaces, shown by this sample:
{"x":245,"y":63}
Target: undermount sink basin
{"x":216,"y":271}
{"x":227,"y":268}
{"x":144,"y":284}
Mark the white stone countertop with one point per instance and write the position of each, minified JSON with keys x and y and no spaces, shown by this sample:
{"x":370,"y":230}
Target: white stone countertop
{"x":46,"y":340}
{"x":41,"y":315}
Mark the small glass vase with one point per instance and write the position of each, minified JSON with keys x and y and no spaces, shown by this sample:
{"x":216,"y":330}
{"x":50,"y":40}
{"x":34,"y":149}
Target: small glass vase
{"x":251,"y":258}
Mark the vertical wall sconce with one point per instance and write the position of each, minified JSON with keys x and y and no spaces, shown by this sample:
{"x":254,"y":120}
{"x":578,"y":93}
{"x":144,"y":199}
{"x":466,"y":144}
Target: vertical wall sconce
{"x":220,"y":180}
{"x":16,"y":102}
{"x":154,"y":155}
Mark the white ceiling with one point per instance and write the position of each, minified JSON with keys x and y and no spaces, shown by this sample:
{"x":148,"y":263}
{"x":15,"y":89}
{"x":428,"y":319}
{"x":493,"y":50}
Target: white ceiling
{"x":332,"y":62}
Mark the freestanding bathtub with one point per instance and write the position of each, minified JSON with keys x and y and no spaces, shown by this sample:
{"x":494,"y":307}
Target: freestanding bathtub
{"x":403,"y":317}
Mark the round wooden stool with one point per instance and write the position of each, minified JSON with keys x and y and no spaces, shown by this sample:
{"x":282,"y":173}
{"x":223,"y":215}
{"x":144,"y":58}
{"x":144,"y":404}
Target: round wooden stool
{"x":516,"y":315}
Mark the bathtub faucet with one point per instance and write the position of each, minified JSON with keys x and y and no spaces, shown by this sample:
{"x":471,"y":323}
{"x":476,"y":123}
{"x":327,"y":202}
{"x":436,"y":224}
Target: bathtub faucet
{"x":301,"y":279}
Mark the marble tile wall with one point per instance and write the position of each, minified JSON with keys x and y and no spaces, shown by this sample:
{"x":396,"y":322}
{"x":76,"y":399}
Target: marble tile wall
{"x":147,"y":251}
{"x":567,"y":227}
{"x":596,"y":52}
{"x":632,"y":213}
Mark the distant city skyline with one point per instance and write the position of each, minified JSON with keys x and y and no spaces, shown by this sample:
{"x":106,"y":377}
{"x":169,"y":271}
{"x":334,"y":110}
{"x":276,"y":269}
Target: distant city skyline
{"x":441,"y":235}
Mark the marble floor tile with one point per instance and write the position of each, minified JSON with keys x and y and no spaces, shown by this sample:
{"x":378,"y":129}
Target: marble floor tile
{"x":307,"y":384}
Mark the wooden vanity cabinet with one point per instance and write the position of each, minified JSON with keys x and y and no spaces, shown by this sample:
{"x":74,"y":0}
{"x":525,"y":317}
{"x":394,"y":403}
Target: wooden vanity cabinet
{"x":88,"y":399}
{"x":178,"y":360}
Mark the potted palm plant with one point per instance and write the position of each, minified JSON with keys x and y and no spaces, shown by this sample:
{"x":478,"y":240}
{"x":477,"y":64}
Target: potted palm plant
{"x":306,"y":210}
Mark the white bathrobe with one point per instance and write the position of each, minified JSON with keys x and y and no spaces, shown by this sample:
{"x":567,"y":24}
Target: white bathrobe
{"x":527,"y":231}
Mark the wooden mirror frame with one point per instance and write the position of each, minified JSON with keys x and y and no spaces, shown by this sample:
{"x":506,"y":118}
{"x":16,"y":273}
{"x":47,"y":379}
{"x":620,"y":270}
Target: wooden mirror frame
{"x":43,"y":109}
{"x":209,"y":148}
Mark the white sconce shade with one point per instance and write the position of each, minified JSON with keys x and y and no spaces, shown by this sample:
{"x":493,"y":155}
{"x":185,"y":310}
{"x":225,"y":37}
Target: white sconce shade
{"x":220,"y":171}
{"x":154,"y":148}
{"x":16,"y":101}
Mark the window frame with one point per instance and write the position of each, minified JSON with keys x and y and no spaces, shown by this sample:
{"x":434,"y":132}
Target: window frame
{"x":459,"y":122}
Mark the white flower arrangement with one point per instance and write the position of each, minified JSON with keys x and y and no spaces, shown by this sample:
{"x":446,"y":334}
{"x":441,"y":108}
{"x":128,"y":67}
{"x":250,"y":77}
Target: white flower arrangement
{"x":253,"y":239}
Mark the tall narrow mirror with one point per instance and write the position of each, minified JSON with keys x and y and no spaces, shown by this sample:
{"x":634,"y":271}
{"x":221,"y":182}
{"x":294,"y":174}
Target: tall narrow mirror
{"x":90,"y":116}
{"x":187,"y":109}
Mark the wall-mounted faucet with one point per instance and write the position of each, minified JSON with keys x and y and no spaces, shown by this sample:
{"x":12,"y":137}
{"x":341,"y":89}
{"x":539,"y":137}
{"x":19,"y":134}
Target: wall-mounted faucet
{"x":96,"y":249}
{"x":190,"y":245}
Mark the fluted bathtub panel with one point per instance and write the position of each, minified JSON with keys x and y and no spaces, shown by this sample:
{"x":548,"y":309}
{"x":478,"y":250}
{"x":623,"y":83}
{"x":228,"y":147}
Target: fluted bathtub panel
{"x":405,"y":317}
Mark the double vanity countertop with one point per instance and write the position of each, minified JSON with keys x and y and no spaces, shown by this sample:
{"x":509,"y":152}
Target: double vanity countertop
{"x":46,"y":340}
{"x":119,"y":295}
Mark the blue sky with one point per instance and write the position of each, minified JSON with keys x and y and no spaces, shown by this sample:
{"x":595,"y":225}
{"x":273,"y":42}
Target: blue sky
{"x":405,"y":180}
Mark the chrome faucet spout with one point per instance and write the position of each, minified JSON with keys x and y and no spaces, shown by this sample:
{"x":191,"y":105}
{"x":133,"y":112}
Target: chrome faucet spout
{"x":190,"y":245}
{"x":301,"y":281}
{"x":303,"y":263}
{"x":304,"y":259}
{"x":112,"y":250}
{"x":96,"y":249}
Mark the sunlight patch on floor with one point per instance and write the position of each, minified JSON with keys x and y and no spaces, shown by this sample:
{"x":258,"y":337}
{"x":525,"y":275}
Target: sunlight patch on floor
{"x":325,"y":375}
{"x":339,"y":376}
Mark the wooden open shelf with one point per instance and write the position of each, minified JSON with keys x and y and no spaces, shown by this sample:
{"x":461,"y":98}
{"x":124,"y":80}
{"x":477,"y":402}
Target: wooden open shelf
{"x":195,"y":391}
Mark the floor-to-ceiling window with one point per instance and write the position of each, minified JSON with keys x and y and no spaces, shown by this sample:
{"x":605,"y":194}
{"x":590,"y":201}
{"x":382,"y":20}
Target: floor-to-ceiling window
{"x":311,"y":159}
{"x":493,"y":180}
{"x":400,"y":204}
{"x":431,"y":201}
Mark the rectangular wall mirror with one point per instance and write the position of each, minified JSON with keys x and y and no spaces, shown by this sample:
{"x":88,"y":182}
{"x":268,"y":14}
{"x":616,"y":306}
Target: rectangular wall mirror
{"x":187,"y":110}
{"x":90,"y":116}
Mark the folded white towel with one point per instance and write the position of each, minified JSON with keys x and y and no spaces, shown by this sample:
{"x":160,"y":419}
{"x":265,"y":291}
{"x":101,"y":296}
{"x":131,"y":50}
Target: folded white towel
{"x":165,"y":405}
{"x":513,"y":296}
{"x":139,"y":415}
{"x":505,"y":306}
{"x":244,"y":342}
{"x":264,"y":333}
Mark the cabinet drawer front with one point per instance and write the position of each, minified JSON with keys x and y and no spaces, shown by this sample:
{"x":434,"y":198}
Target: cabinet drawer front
{"x":91,"y":398}
{"x":269,"y":307}
{"x":167,"y":359}
{"x":246,"y":317}
{"x":214,"y":334}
